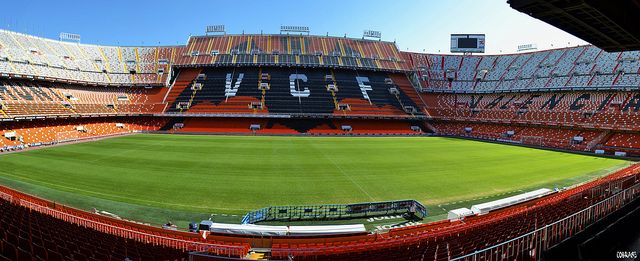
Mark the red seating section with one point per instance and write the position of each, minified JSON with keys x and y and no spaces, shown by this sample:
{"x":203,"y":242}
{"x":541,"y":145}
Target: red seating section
{"x":28,"y":235}
{"x":56,"y":130}
{"x":553,"y":137}
{"x":625,"y":142}
{"x":49,"y":131}
{"x":603,"y":110}
{"x":220,"y":125}
{"x":548,"y":119}
{"x":183,"y":81}
{"x":78,"y":230}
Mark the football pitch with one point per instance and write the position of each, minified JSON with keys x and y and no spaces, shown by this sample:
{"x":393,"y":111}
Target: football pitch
{"x":156,"y":177}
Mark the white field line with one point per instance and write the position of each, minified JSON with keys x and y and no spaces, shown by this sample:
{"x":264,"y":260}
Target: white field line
{"x":107,"y":196}
{"x":346,"y":175}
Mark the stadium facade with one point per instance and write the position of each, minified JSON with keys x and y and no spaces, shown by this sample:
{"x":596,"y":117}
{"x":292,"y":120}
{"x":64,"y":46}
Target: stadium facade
{"x":579,"y":99}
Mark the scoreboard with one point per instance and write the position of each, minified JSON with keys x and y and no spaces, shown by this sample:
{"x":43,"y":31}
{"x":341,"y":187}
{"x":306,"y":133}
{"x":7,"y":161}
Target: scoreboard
{"x":467,"y":43}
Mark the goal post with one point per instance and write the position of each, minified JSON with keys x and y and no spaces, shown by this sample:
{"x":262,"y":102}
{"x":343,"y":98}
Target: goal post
{"x":532,"y":140}
{"x":67,"y":136}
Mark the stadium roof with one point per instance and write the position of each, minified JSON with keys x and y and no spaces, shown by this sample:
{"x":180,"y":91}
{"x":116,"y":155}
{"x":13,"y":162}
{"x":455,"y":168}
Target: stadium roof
{"x":610,"y":25}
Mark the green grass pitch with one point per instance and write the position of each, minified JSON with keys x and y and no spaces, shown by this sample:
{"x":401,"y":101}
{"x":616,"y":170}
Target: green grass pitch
{"x":152,"y":177}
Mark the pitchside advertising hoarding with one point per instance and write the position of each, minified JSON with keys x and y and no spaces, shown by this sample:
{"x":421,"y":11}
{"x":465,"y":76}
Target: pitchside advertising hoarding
{"x":467,"y":43}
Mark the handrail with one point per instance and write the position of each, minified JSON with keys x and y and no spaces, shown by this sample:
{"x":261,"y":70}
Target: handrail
{"x":576,"y":217}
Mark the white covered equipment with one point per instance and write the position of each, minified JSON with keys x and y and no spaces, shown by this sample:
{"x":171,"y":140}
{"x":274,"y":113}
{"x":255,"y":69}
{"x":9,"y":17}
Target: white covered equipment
{"x":505,"y":202}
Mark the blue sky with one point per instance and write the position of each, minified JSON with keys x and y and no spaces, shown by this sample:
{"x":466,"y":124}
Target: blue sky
{"x":416,"y":25}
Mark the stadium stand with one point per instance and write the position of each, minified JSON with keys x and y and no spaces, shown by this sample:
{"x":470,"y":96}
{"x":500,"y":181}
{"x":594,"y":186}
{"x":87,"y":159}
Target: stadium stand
{"x":557,"y":217}
{"x":580,"y":98}
{"x":311,"y":51}
{"x":605,"y":110}
{"x":567,"y":68}
{"x":21,"y":98}
{"x":56,"y":230}
{"x":293,"y":91}
{"x":40,"y":58}
{"x":34,"y":133}
{"x":553,"y":137}
{"x":28,"y":235}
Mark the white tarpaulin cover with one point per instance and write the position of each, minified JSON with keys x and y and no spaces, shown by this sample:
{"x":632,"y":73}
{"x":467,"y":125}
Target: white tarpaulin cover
{"x":459,"y":213}
{"x":326,"y":230}
{"x":505,"y":202}
{"x":10,"y":134}
{"x":251,"y":229}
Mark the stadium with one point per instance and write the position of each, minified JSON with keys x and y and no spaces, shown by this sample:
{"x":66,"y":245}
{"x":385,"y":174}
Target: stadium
{"x":298,"y":146}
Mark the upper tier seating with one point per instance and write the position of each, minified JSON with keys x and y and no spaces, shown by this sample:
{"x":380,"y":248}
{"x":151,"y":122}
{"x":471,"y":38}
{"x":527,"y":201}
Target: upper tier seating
{"x":283,"y":50}
{"x":610,"y":110}
{"x":21,"y":98}
{"x":37,"y":57}
{"x":583,"y":66}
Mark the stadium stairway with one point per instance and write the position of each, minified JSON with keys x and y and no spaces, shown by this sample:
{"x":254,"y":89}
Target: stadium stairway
{"x":169,"y":125}
{"x":257,"y":255}
{"x":405,"y":86}
{"x":184,"y":79}
{"x":601,"y":138}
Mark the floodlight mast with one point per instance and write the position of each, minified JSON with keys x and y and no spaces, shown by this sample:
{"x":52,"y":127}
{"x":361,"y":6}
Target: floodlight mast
{"x":70,"y":37}
{"x":215,"y":29}
{"x":372,"y":34}
{"x":294,"y":29}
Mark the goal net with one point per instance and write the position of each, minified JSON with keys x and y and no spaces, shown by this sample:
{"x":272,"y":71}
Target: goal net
{"x":533,"y":140}
{"x":67,"y":135}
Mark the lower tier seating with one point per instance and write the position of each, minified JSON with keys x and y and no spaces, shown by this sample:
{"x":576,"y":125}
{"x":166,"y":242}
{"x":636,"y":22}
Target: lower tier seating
{"x":30,"y":236}
{"x":552,"y":137}
{"x":624,"y":142}
{"x":46,"y":131}
{"x":291,"y":126}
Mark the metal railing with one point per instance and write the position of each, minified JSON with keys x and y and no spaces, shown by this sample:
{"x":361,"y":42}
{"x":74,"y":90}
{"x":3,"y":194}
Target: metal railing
{"x":532,"y":244}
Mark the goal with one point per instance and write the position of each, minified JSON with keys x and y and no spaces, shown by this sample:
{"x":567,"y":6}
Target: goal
{"x":532,"y":140}
{"x":67,"y":135}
